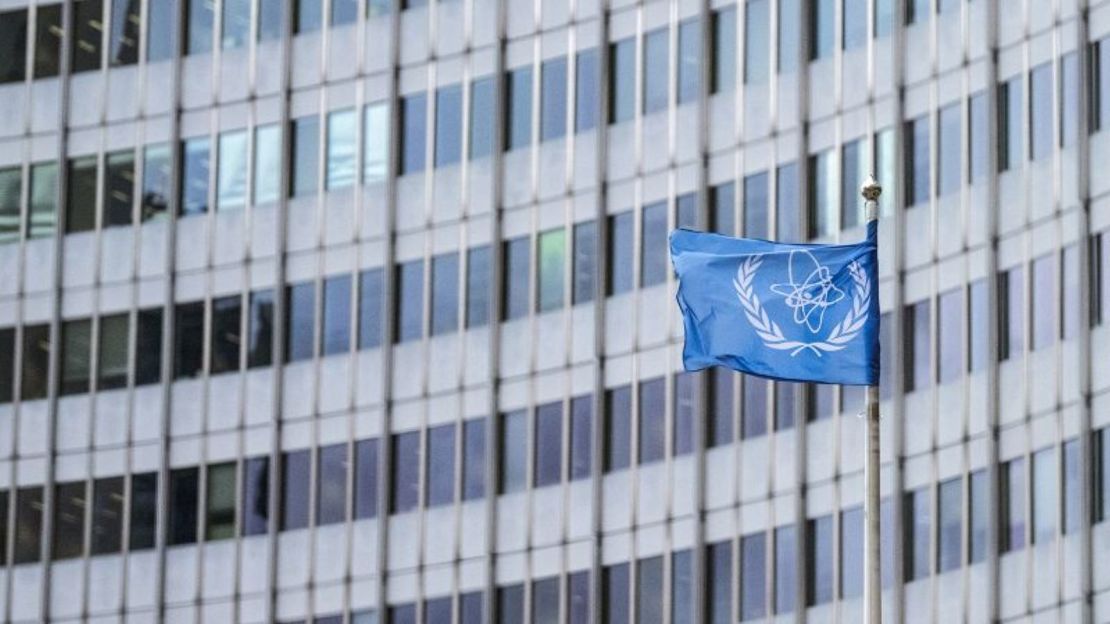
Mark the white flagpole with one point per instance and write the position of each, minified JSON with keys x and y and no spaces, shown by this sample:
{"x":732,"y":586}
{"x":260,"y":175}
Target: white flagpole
{"x":873,"y":593}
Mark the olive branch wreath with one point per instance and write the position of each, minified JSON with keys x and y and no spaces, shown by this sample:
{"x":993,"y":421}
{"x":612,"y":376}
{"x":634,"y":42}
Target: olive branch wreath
{"x":770,"y":332}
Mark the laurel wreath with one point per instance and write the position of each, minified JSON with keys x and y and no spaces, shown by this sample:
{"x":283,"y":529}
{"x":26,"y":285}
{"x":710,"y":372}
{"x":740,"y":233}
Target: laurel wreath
{"x":770,"y":332}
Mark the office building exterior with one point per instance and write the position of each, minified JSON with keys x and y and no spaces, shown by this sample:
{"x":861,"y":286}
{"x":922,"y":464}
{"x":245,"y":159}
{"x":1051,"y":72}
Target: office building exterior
{"x":343,"y":311}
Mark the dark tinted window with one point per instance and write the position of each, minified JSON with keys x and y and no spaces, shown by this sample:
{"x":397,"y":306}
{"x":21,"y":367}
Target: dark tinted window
{"x":585,"y":261}
{"x":917,"y":161}
{"x":295,"y":481}
{"x":581,"y":437}
{"x":823,"y":194}
{"x":518,"y":108}
{"x":143,"y":512}
{"x":548,"y":444}
{"x":819,"y":560}
{"x":256,"y":496}
{"x":156,"y":182}
{"x":88,"y":28}
{"x":1011,"y":305}
{"x":918,"y":371}
{"x":331,"y":484}
{"x":226,"y":334}
{"x":81,"y":197}
{"x":620,"y":253}
{"x":366,"y":478}
{"x":510,"y":604}
{"x":615,"y":606}
{"x":336,"y":332}
{"x":754,"y":412}
{"x":188,"y":339}
{"x":477,"y":286}
{"x":649,"y":590}
{"x":11,"y":182}
{"x":28,"y":525}
{"x":75,"y":356}
{"x":48,"y":40}
{"x":370,"y":309}
{"x":1010,"y":124}
{"x":112,"y":360}
{"x":618,"y":428}
{"x":300,"y":317}
{"x":13,"y":46}
{"x":198,"y":26}
{"x":753,"y":576}
{"x":514,"y":300}
{"x":7,"y":368}
{"x":622,"y":80}
{"x":36,"y":361}
{"x":440,"y":472}
{"x":722,"y":209}
{"x":718,"y":583}
{"x":260,"y":328}
{"x":821,"y":22}
{"x":720,"y":417}
{"x":414,"y":111}
{"x":445,"y":293}
{"x":107,"y":516}
{"x":653,"y":249}
{"x":410,"y":301}
{"x":513,"y":441}
{"x":219,"y":507}
{"x":406,"y":471}
{"x":69,"y":520}
{"x":181,"y":517}
{"x":123,"y":38}
{"x":915,"y":528}
{"x":308,"y":15}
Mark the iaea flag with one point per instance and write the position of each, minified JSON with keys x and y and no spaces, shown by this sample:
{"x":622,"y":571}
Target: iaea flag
{"x":785,"y":311}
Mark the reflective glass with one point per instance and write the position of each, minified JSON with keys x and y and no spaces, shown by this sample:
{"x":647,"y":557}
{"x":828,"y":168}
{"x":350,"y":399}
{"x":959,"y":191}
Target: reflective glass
{"x":622,"y":80}
{"x":754,"y":415}
{"x":406,"y":471}
{"x":513,"y":440}
{"x":13,"y":45}
{"x":256,"y":496}
{"x":270,"y":15}
{"x":652,"y":421}
{"x":518,"y":108}
{"x":148,"y":347}
{"x":653,"y":245}
{"x":855,"y":24}
{"x":1010,"y":124}
{"x":586,"y":87}
{"x":474,"y":459}
{"x":231,"y":185}
{"x":441,"y":465}
{"x":949,"y":152}
{"x":482,"y":108}
{"x":649,"y":590}
{"x":81,"y":198}
{"x":618,"y":428}
{"x":786,"y":573}
{"x":445,"y":293}
{"x":753,"y":576}
{"x":722,"y":208}
{"x":720,"y":418}
{"x":88,"y":29}
{"x":578,"y":597}
{"x":978,"y":136}
{"x":436,"y":611}
{"x":823,"y":191}
{"x":413,"y":132}
{"x":656,"y":70}
{"x":585,"y":261}
{"x":615,"y":607}
{"x":718,"y":583}
{"x":370,"y":308}
{"x":344,"y":12}
{"x":123,"y":37}
{"x":1011,"y":506}
{"x":620,"y":253}
{"x":220,"y":502}
{"x":545,"y":601}
{"x":48,"y":40}
{"x":785,"y":404}
{"x":950,"y":341}
{"x":342,"y":129}
{"x":1071,"y":289}
{"x":75,"y":356}
{"x":885,"y":158}
{"x":300,"y":318}
{"x":510,"y":604}
{"x":36,"y":361}
{"x":822,"y":25}
{"x":11,"y":186}
{"x":514,"y":298}
{"x":1011,"y":303}
{"x":978,"y":325}
{"x":308,"y":14}
{"x":949,"y":524}
{"x":112,"y":349}
{"x":27,"y":546}
{"x":260,"y":328}
{"x":336,"y":331}
{"x":194,"y":176}
{"x":683,"y":437}
{"x":682,"y":587}
{"x":1040,"y":111}
{"x":689,"y":60}
{"x":161,"y":30}
{"x":1069,"y":99}
{"x":470,"y":608}
{"x":581,"y":437}
{"x":788,"y":31}
{"x":182,"y":513}
{"x":198,"y":26}
{"x":375,"y":142}
{"x":917,"y":11}
{"x":548,"y":438}
{"x":236,"y":23}
{"x":723,"y":72}
{"x":1046,"y":502}
{"x":821,"y":402}
{"x":917,"y":161}
{"x":7,"y":373}
{"x":305,"y":156}
{"x":267,"y":163}
{"x":477,"y":286}
{"x":917,"y":337}
{"x":331,"y":484}
{"x":296,"y":470}
{"x":757,"y":45}
{"x":551,"y":263}
{"x":686,"y":211}
{"x":819,"y":561}
{"x":156,"y":181}
{"x":853,"y":165}
{"x":553,"y":99}
{"x":448,"y":125}
{"x":143,"y":513}
{"x":1044,"y":310}
{"x":366,"y":478}
{"x":851,"y":552}
{"x":978,"y":515}
{"x":1073,"y":486}
{"x":69,"y":520}
{"x":755,"y":206}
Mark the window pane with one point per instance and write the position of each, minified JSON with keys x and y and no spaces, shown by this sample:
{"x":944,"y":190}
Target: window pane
{"x":755,"y":206}
{"x":76,"y":356}
{"x":406,"y":471}
{"x":370,"y":309}
{"x":308,"y":15}
{"x":156,"y":181}
{"x":722,"y":208}
{"x":686,"y":211}
{"x":1044,"y":306}
{"x":88,"y":28}
{"x":300,"y":321}
{"x":331,"y":484}
{"x":445,"y":293}
{"x":69,"y":520}
{"x":615,"y":591}
{"x":720,"y":418}
{"x":977,"y":324}
{"x":337,"y":315}
{"x":785,"y":570}
{"x":7,"y":373}
{"x":855,"y":24}
{"x":1009,"y":125}
{"x":474,"y":459}
{"x":28,"y":525}
{"x":918,"y":370}
{"x":510,"y":604}
{"x":220,"y":514}
{"x":683,"y":438}
{"x":256,"y":496}
{"x":1073,"y":484}
{"x":851,"y":552}
{"x":620,"y":253}
{"x":477,"y":286}
{"x":414,"y":132}
{"x":581,"y":437}
{"x":949,"y":152}
{"x":754,"y":414}
{"x":757,"y":29}
{"x":341,"y":148}
{"x":1069,"y":99}
{"x":787,"y":205}
{"x":1011,"y":295}
{"x":649,"y":591}
{"x":689,"y":60}
{"x":1046,"y":503}
{"x":13,"y":45}
{"x":786,"y":395}
{"x":295,"y":482}
{"x":753,"y":576}
{"x":950,"y":319}
{"x":622,"y":80}
{"x":949,"y":524}
{"x":585,"y":261}
{"x":81,"y":199}
{"x":1012,"y":505}
{"x":789,"y":18}
{"x":553,"y":102}
{"x":853,"y":165}
{"x":198,"y":26}
{"x":653,"y":245}
{"x":226,"y":316}
{"x":917,"y":11}
{"x":822,"y":25}
{"x":518,"y":108}
{"x":112,"y":359}
{"x":236,"y":23}
{"x":11,"y":182}
{"x":723,"y":73}
{"x":375,"y":142}
{"x":402,"y":614}
{"x":652,"y":421}
{"x":148,"y":347}
{"x":656,"y":70}
{"x":48,"y":40}
{"x":545,"y":601}
{"x":618,"y":428}
{"x":978,"y":516}
{"x":143,"y":512}
{"x":1071,"y":288}
{"x":441,"y":465}
{"x":978,"y":156}
{"x":182,"y":512}
{"x":823,"y":193}
{"x":436,"y":611}
{"x":305,"y":156}
{"x":819,"y":560}
{"x":260,"y":329}
{"x":448,"y":125}
{"x":578,"y":597}
{"x":119,"y":188}
{"x":682,"y":587}
{"x":1040,"y":111}
{"x":366,"y":478}
{"x":513,"y":439}
{"x":344,"y":12}
{"x":36,"y":361}
{"x":470,"y":608}
{"x":917,"y":161}
{"x":548,"y":444}
{"x":585,"y":96}
{"x":194,"y":176}
{"x":552,"y":250}
{"x":481,"y":118}
{"x":821,"y":403}
{"x":718,"y":583}
{"x":514,"y":299}
{"x":161,"y":30}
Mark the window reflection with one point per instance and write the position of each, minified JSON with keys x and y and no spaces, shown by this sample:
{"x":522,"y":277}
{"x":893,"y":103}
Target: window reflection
{"x":723,"y":73}
{"x":156,"y":181}
{"x":88,"y":27}
{"x":341,"y":148}
{"x":194,"y":176}
{"x":48,"y":40}
{"x":231,"y":185}
{"x":123,"y":38}
{"x":199,"y":26}
{"x":220,"y":502}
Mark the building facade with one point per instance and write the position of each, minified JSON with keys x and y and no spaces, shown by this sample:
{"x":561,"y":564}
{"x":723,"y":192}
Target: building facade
{"x":350,"y":312}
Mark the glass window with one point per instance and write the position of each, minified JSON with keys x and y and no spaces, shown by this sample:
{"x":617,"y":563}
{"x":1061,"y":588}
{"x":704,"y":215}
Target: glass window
{"x":915,"y":526}
{"x":510,"y":604}
{"x":11,"y":182}
{"x":1011,"y":302}
{"x":370,"y":308}
{"x":474,"y":459}
{"x":978,"y":136}
{"x":1045,"y":501}
{"x":414,"y":132}
{"x":553,"y":102}
{"x":618,"y":428}
{"x":551,"y":261}
{"x":652,"y":421}
{"x":757,"y":48}
{"x":300,"y":320}
{"x":1040,"y":111}
{"x":918,"y":371}
{"x":148,"y":347}
{"x":156,"y":181}
{"x":686,"y":211}
{"x":819,"y":561}
{"x":331,"y":484}
{"x":366,"y":478}
{"x":578,"y":597}
{"x":304,"y":160}
{"x":586,"y":86}
{"x":75,"y":356}
{"x":950,"y":321}
{"x":437,"y":611}
{"x":1012,"y":505}
{"x":143,"y":511}
{"x":620,"y":250}
{"x":949,"y":524}
{"x":656,"y":71}
{"x":28,"y":525}
{"x":481,"y":117}
{"x":682,"y":587}
{"x":756,"y":219}
{"x":375,"y":142}
{"x":978,"y":324}
{"x":718,"y":583}
{"x":194,"y":176}
{"x":1073,"y":487}
{"x":441,"y":465}
{"x":949,"y":152}
{"x":581,"y":437}
{"x":722,"y":209}
{"x":855,"y":24}
{"x":1100,"y":87}
{"x":69,"y":520}
{"x":48,"y":40}
{"x":111,"y":370}
{"x":307,"y":15}
{"x":754,"y":408}
{"x":653,"y":245}
{"x":649,"y":590}
{"x":88,"y":28}
{"x":917,"y":11}
{"x":1044,"y":306}
{"x":851,"y":552}
{"x":1070,"y":290}
{"x":198,"y":26}
{"x":226,"y":317}
{"x":477,"y":286}
{"x":220,"y":504}
{"x":518,"y":108}
{"x":514,"y":298}
{"x":723,"y":72}
{"x":823,"y":193}
{"x":36,"y":361}
{"x":402,"y":614}
{"x":548,"y":439}
{"x":337,"y":315}
{"x":295,"y":482}
{"x":917,"y":161}
{"x":470,"y":608}
{"x":119,"y":187}
{"x":256,"y":496}
{"x":786,"y":574}
{"x":785,"y":404}
{"x":615,"y":607}
{"x":585,"y":261}
{"x":853,"y":165}
{"x":341,"y":149}
{"x":182,"y":512}
{"x":445,"y":293}
{"x":789,"y":44}
{"x":788,"y":208}
{"x":161,"y":30}
{"x":720,"y":418}
{"x":410,"y":301}
{"x":7,"y":374}
{"x":236,"y":23}
{"x":753,"y":576}
{"x":683,"y":437}
{"x":1009,"y":124}
{"x":513,"y":439}
{"x":107,"y":515}
{"x":81,"y":199}
{"x":978,"y":516}
{"x":822,"y":24}
{"x":448,"y":125}
{"x":1099,"y":268}
{"x":689,"y":60}
{"x":622,"y":80}
{"x":1100,"y":451}
{"x":260,"y":329}
{"x":13,"y":46}
{"x":344,"y":12}
{"x":1069,"y":99}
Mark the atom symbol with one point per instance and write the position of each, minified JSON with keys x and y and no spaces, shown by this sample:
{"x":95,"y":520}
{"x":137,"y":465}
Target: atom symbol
{"x":810,"y":298}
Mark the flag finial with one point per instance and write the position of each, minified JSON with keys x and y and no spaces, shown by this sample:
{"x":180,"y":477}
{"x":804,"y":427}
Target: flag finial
{"x":871,"y":189}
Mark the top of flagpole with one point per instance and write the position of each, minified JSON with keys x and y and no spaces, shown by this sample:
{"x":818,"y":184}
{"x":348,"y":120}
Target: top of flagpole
{"x":871,"y":191}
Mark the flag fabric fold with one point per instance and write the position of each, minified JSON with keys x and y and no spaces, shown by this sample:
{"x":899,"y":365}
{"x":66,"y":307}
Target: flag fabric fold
{"x":792,"y":312}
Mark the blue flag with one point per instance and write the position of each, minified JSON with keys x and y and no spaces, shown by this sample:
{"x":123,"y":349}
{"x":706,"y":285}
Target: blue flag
{"x":783,"y":311}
